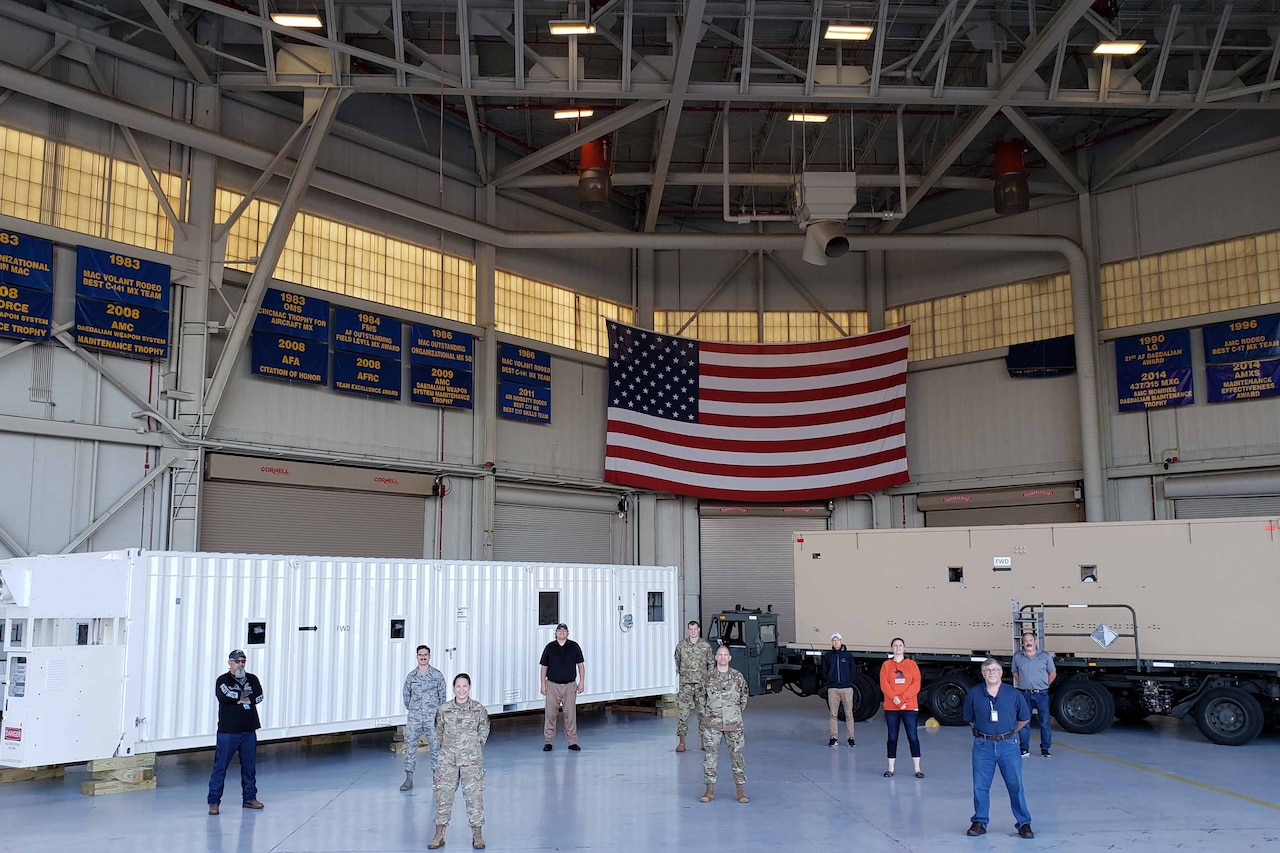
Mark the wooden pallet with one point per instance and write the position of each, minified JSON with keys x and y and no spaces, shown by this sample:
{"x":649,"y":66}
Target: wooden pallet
{"x":326,"y":740}
{"x":121,"y":775}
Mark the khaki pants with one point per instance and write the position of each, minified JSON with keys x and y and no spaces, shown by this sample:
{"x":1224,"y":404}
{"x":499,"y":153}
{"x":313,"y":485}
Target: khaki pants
{"x":835,"y":698}
{"x":561,"y":695}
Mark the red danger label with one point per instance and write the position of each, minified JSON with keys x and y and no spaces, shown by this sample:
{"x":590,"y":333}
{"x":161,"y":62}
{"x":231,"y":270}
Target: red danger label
{"x":12,"y":734}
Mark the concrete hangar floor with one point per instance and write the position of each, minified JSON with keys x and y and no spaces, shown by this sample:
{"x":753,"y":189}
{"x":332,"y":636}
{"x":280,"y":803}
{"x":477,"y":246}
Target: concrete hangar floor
{"x":1156,"y":785}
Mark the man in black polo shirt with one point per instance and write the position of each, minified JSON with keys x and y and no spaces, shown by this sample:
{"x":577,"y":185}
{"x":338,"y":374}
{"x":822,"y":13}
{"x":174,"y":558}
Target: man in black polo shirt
{"x":563,"y":678}
{"x":239,"y":694}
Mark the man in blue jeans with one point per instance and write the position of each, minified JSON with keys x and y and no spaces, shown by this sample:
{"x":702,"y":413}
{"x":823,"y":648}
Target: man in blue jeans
{"x":1033,"y":672}
{"x":239,"y":694}
{"x":997,"y":712}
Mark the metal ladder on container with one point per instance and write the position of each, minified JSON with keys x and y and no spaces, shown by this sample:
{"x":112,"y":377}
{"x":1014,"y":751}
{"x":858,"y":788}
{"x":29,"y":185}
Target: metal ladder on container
{"x":1030,"y":617}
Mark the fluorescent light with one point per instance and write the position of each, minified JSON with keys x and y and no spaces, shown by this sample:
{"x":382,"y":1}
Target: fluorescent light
{"x":298,"y":22}
{"x":572,"y":28}
{"x":849,"y":32}
{"x":811,"y":118}
{"x":1119,"y":48}
{"x":574,"y":113}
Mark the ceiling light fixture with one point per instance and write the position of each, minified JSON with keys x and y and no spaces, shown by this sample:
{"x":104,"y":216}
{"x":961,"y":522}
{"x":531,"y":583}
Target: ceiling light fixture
{"x":810,"y":118}
{"x":573,"y":113}
{"x":572,"y":28}
{"x":297,"y":21}
{"x":1119,"y":48}
{"x":849,"y":32}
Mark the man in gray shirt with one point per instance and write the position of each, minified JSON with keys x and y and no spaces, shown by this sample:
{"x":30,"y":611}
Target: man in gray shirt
{"x":1033,"y":672}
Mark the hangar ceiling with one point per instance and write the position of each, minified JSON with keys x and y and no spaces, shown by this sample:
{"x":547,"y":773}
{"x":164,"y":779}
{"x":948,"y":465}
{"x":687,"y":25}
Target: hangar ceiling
{"x":694,"y":97}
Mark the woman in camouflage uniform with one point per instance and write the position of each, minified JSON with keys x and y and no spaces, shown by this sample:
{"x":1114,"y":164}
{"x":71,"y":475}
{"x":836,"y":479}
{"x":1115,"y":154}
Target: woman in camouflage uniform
{"x":462,"y":727}
{"x":723,"y":702}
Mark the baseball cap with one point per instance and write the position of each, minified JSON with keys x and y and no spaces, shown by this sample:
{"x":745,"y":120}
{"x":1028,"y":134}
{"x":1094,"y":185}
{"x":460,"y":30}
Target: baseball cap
{"x":236,"y":654}
{"x":836,"y":636}
{"x":562,"y":625}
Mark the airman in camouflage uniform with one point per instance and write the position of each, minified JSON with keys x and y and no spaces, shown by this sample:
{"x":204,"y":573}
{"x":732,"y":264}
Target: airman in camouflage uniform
{"x":694,"y":659}
{"x":423,"y":695}
{"x":723,"y":702}
{"x":462,"y":727}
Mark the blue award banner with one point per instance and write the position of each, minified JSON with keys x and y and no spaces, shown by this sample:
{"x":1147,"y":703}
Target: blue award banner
{"x":1242,"y":340}
{"x":1243,"y":380}
{"x":293,"y":315}
{"x":440,"y":386}
{"x":25,"y":313}
{"x":524,"y":403}
{"x":371,"y":375}
{"x":361,"y":331}
{"x":1154,"y":371}
{"x":122,"y":329}
{"x":26,"y":261}
{"x":441,"y":347}
{"x":120,"y":278}
{"x":523,"y":365}
{"x":292,"y":359}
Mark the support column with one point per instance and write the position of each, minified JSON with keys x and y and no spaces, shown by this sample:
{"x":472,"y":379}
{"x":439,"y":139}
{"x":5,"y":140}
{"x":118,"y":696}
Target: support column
{"x":485,"y":412}
{"x":873,"y":268}
{"x":1098,"y":452}
{"x":646,"y":277}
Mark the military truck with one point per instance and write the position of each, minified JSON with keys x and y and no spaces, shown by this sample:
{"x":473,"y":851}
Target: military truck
{"x":1142,"y":618}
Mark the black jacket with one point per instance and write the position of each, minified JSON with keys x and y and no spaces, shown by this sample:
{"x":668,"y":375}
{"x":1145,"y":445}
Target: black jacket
{"x":233,"y":717}
{"x":838,"y":668}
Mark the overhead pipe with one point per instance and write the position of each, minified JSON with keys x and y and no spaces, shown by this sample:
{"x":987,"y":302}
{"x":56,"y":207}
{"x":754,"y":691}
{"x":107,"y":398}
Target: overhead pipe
{"x":164,"y":127}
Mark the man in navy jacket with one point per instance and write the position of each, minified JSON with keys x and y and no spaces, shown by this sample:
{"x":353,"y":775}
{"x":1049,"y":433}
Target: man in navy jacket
{"x":837,"y":672}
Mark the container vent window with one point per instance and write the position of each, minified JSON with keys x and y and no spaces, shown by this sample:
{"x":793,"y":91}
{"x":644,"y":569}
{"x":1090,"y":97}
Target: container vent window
{"x":397,"y":629}
{"x":1088,"y":574}
{"x":955,"y":574}
{"x":257,"y":634}
{"x":82,"y":633}
{"x":548,"y":608}
{"x":656,"y":608}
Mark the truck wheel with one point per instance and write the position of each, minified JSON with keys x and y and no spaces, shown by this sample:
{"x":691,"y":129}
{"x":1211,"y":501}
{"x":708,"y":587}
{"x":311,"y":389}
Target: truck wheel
{"x":866,"y":698}
{"x":1229,"y":716}
{"x":1082,"y":707}
{"x":946,"y":698}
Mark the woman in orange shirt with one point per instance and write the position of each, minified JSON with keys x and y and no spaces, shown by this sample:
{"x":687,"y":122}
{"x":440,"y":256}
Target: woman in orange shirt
{"x":900,"y":684}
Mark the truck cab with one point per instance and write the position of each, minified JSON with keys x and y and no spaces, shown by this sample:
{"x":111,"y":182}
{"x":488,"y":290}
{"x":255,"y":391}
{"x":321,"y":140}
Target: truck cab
{"x":752,"y":639}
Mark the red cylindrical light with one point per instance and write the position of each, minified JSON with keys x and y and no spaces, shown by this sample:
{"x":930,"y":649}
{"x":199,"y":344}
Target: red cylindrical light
{"x":594,"y":169}
{"x":1012,"y":194}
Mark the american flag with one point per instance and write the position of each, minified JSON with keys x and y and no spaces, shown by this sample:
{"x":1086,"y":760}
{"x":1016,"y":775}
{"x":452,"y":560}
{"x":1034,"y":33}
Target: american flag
{"x":757,"y":422}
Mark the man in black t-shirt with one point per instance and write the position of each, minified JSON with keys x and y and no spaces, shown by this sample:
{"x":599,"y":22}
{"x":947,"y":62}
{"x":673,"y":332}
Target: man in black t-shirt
{"x":239,"y":693}
{"x":563,"y":678}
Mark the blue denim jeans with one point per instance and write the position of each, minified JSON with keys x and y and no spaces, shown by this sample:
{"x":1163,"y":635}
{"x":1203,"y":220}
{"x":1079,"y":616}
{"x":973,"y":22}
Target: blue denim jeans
{"x":1039,"y":703}
{"x":228,"y":745}
{"x":907,"y":719}
{"x":987,"y":755}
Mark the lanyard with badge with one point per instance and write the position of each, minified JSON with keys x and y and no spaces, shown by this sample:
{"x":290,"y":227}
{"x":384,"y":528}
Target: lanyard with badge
{"x":995,"y":715}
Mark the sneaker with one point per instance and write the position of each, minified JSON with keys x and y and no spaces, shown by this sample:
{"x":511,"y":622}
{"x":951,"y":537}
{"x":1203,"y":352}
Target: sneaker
{"x":575,"y":747}
{"x":1024,"y":831}
{"x":976,"y":828}
{"x":851,"y":742}
{"x":546,"y":747}
{"x":1044,"y":753}
{"x":831,"y":742}
{"x":1025,"y":753}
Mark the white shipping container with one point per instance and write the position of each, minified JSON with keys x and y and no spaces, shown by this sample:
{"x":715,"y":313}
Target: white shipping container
{"x":115,"y":653}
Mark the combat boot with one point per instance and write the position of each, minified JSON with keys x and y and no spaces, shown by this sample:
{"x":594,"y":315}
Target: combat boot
{"x":708,"y":795}
{"x":680,"y":745}
{"x":408,"y":781}
{"x":742,"y":795}
{"x":437,"y":842}
{"x":477,"y":840}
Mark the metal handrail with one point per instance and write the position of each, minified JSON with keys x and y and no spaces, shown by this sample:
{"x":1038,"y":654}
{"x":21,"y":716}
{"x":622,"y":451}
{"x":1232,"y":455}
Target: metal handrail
{"x":1133,"y":614}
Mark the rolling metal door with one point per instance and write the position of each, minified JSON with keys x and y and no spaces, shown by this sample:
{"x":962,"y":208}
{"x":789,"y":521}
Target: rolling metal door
{"x":749,"y":560}
{"x":524,"y":532}
{"x":262,"y":519}
{"x":1243,"y":506}
{"x":1062,"y":513}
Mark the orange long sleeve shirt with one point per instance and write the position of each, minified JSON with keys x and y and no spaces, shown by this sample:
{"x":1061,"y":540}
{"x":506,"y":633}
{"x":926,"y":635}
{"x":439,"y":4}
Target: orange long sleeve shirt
{"x":901,"y":680}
